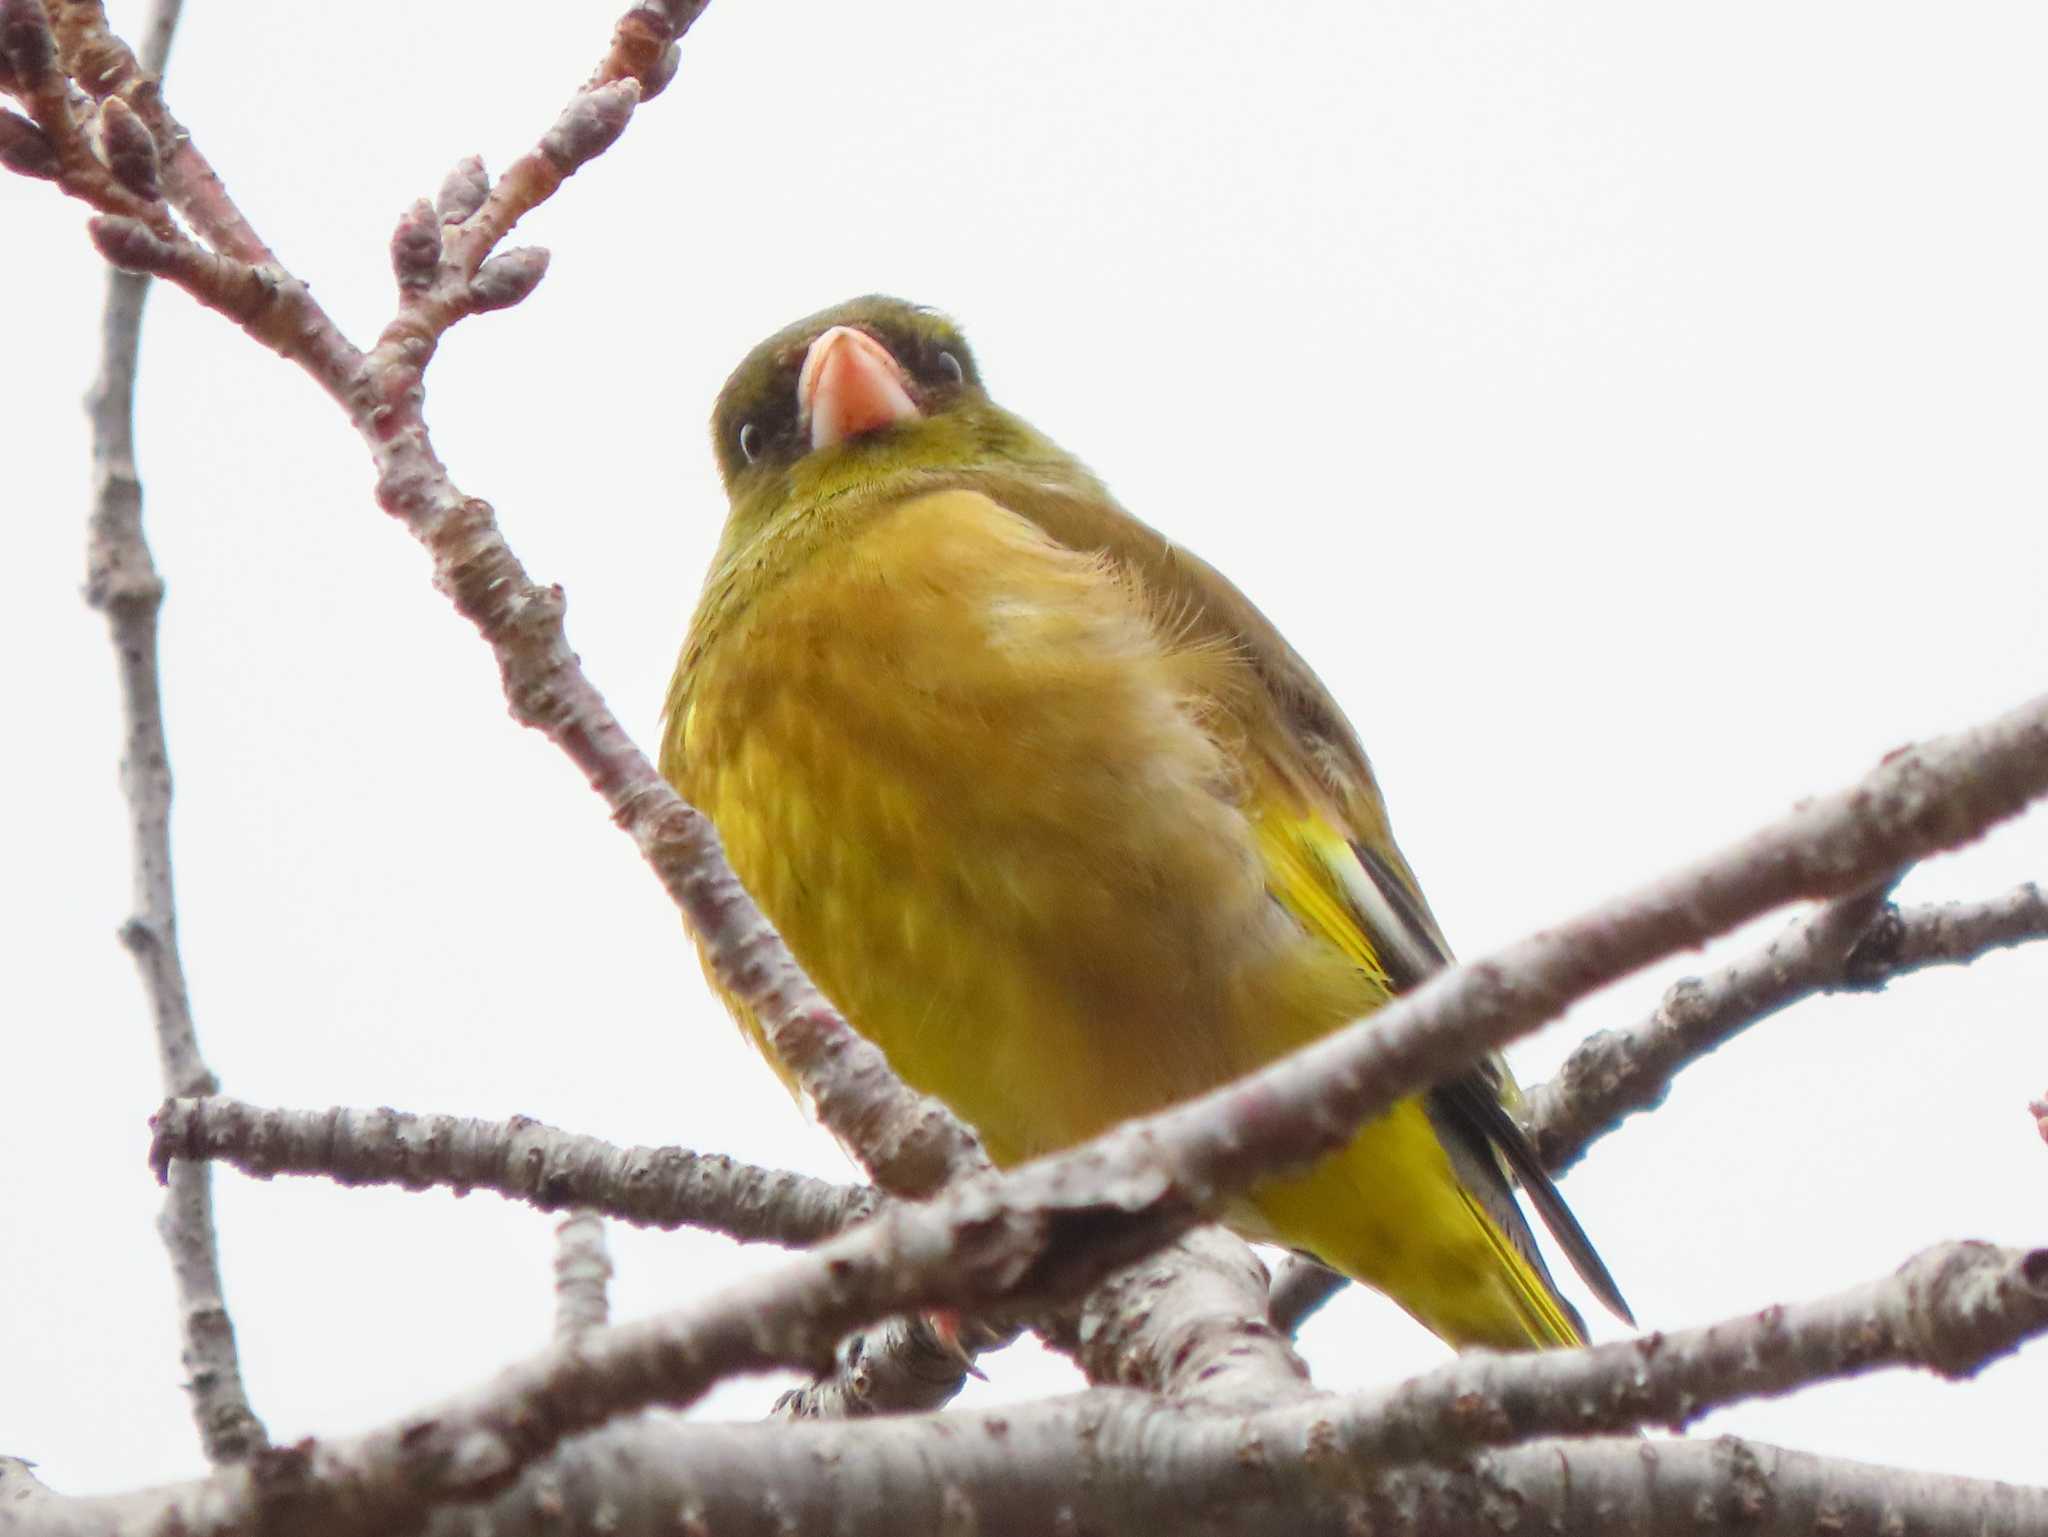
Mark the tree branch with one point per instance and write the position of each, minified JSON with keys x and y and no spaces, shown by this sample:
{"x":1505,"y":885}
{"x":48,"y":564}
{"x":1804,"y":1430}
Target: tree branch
{"x":122,"y":582}
{"x":1921,"y":800}
{"x":1150,"y":1468}
{"x":101,"y":63}
{"x":1951,"y":1310}
{"x":1846,"y":946}
{"x":583,"y":1268}
{"x":1857,"y":943}
{"x":441,"y":256}
{"x":1053,"y":1228}
{"x":1190,"y":1323}
{"x":1421,"y":1456}
{"x":898,"y":1366}
{"x":551,"y":1169}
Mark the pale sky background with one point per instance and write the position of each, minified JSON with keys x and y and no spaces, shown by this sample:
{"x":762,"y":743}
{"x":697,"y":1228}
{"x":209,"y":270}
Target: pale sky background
{"x":1634,"y":412}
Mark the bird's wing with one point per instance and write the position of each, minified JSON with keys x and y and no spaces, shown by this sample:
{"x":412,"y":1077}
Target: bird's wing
{"x":1390,"y":921}
{"x":1345,"y":862}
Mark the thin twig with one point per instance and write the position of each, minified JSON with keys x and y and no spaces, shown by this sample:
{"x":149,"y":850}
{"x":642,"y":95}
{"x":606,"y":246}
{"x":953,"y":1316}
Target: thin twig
{"x":523,"y":1159}
{"x":583,"y":1269}
{"x":441,"y":255}
{"x":162,"y":28}
{"x":104,"y":67}
{"x":122,"y":582}
{"x":1854,"y":944}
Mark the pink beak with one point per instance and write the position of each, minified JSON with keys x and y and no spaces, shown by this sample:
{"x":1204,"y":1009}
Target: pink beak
{"x":849,"y":385}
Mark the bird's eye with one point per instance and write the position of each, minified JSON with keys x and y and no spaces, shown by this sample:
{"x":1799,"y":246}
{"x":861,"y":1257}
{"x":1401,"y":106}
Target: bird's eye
{"x":950,"y":367}
{"x":750,"y":441}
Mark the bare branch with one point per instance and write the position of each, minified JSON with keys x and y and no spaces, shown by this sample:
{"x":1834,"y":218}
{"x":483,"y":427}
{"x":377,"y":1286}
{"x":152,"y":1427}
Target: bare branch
{"x":122,"y":582}
{"x":909,"y":1143}
{"x":583,"y":1269}
{"x":1053,"y":1228}
{"x":1857,"y":943}
{"x":163,"y":30}
{"x":56,"y":145}
{"x":554,"y":1170}
{"x":1391,"y":1459}
{"x":1011,"y":1473}
{"x":1151,"y":1468}
{"x":1952,"y":1310}
{"x":1846,"y":946}
{"x":103,"y":64}
{"x":1190,"y":1322}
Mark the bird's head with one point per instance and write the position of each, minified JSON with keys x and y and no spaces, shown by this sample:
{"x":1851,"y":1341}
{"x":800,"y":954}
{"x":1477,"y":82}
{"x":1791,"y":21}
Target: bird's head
{"x":869,"y":396}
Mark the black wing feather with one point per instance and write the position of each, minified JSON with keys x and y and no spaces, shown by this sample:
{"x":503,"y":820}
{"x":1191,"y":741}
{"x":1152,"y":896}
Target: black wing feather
{"x":1477,"y":1131}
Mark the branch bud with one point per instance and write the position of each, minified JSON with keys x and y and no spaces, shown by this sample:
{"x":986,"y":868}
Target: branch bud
{"x":662,"y":73}
{"x":26,"y":41}
{"x":129,"y":244}
{"x":463,"y":190}
{"x":26,"y":148}
{"x":416,"y":248}
{"x":590,"y":123}
{"x":509,"y":277}
{"x":129,"y":148}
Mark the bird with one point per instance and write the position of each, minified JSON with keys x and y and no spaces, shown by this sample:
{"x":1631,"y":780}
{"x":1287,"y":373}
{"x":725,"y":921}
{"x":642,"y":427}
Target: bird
{"x":1057,"y":818}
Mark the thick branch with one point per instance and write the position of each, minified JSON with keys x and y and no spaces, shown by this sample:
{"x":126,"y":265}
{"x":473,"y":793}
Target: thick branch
{"x":1146,"y":1467}
{"x":1190,"y":1322}
{"x":1389,"y":1458}
{"x":554,"y":1170}
{"x":1843,"y":947}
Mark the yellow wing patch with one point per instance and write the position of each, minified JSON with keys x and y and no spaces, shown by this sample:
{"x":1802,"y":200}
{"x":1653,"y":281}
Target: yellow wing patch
{"x":1303,"y":856}
{"x":1390,"y":1209}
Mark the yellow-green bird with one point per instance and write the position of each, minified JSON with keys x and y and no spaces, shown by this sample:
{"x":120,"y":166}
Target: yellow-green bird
{"x":1057,"y":818}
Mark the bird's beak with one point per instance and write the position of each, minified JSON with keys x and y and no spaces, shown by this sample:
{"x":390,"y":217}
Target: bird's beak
{"x":850,"y":385}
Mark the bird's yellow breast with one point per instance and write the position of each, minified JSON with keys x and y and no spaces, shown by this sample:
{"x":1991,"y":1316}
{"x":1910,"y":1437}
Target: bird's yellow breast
{"x":997,"y":814}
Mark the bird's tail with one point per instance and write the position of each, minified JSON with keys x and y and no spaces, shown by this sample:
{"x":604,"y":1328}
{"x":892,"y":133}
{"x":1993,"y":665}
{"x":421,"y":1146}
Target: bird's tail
{"x":1390,"y":1211}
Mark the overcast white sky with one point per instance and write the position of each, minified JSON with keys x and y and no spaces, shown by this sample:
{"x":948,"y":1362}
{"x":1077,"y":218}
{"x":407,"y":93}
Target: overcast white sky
{"x":1634,"y":411}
